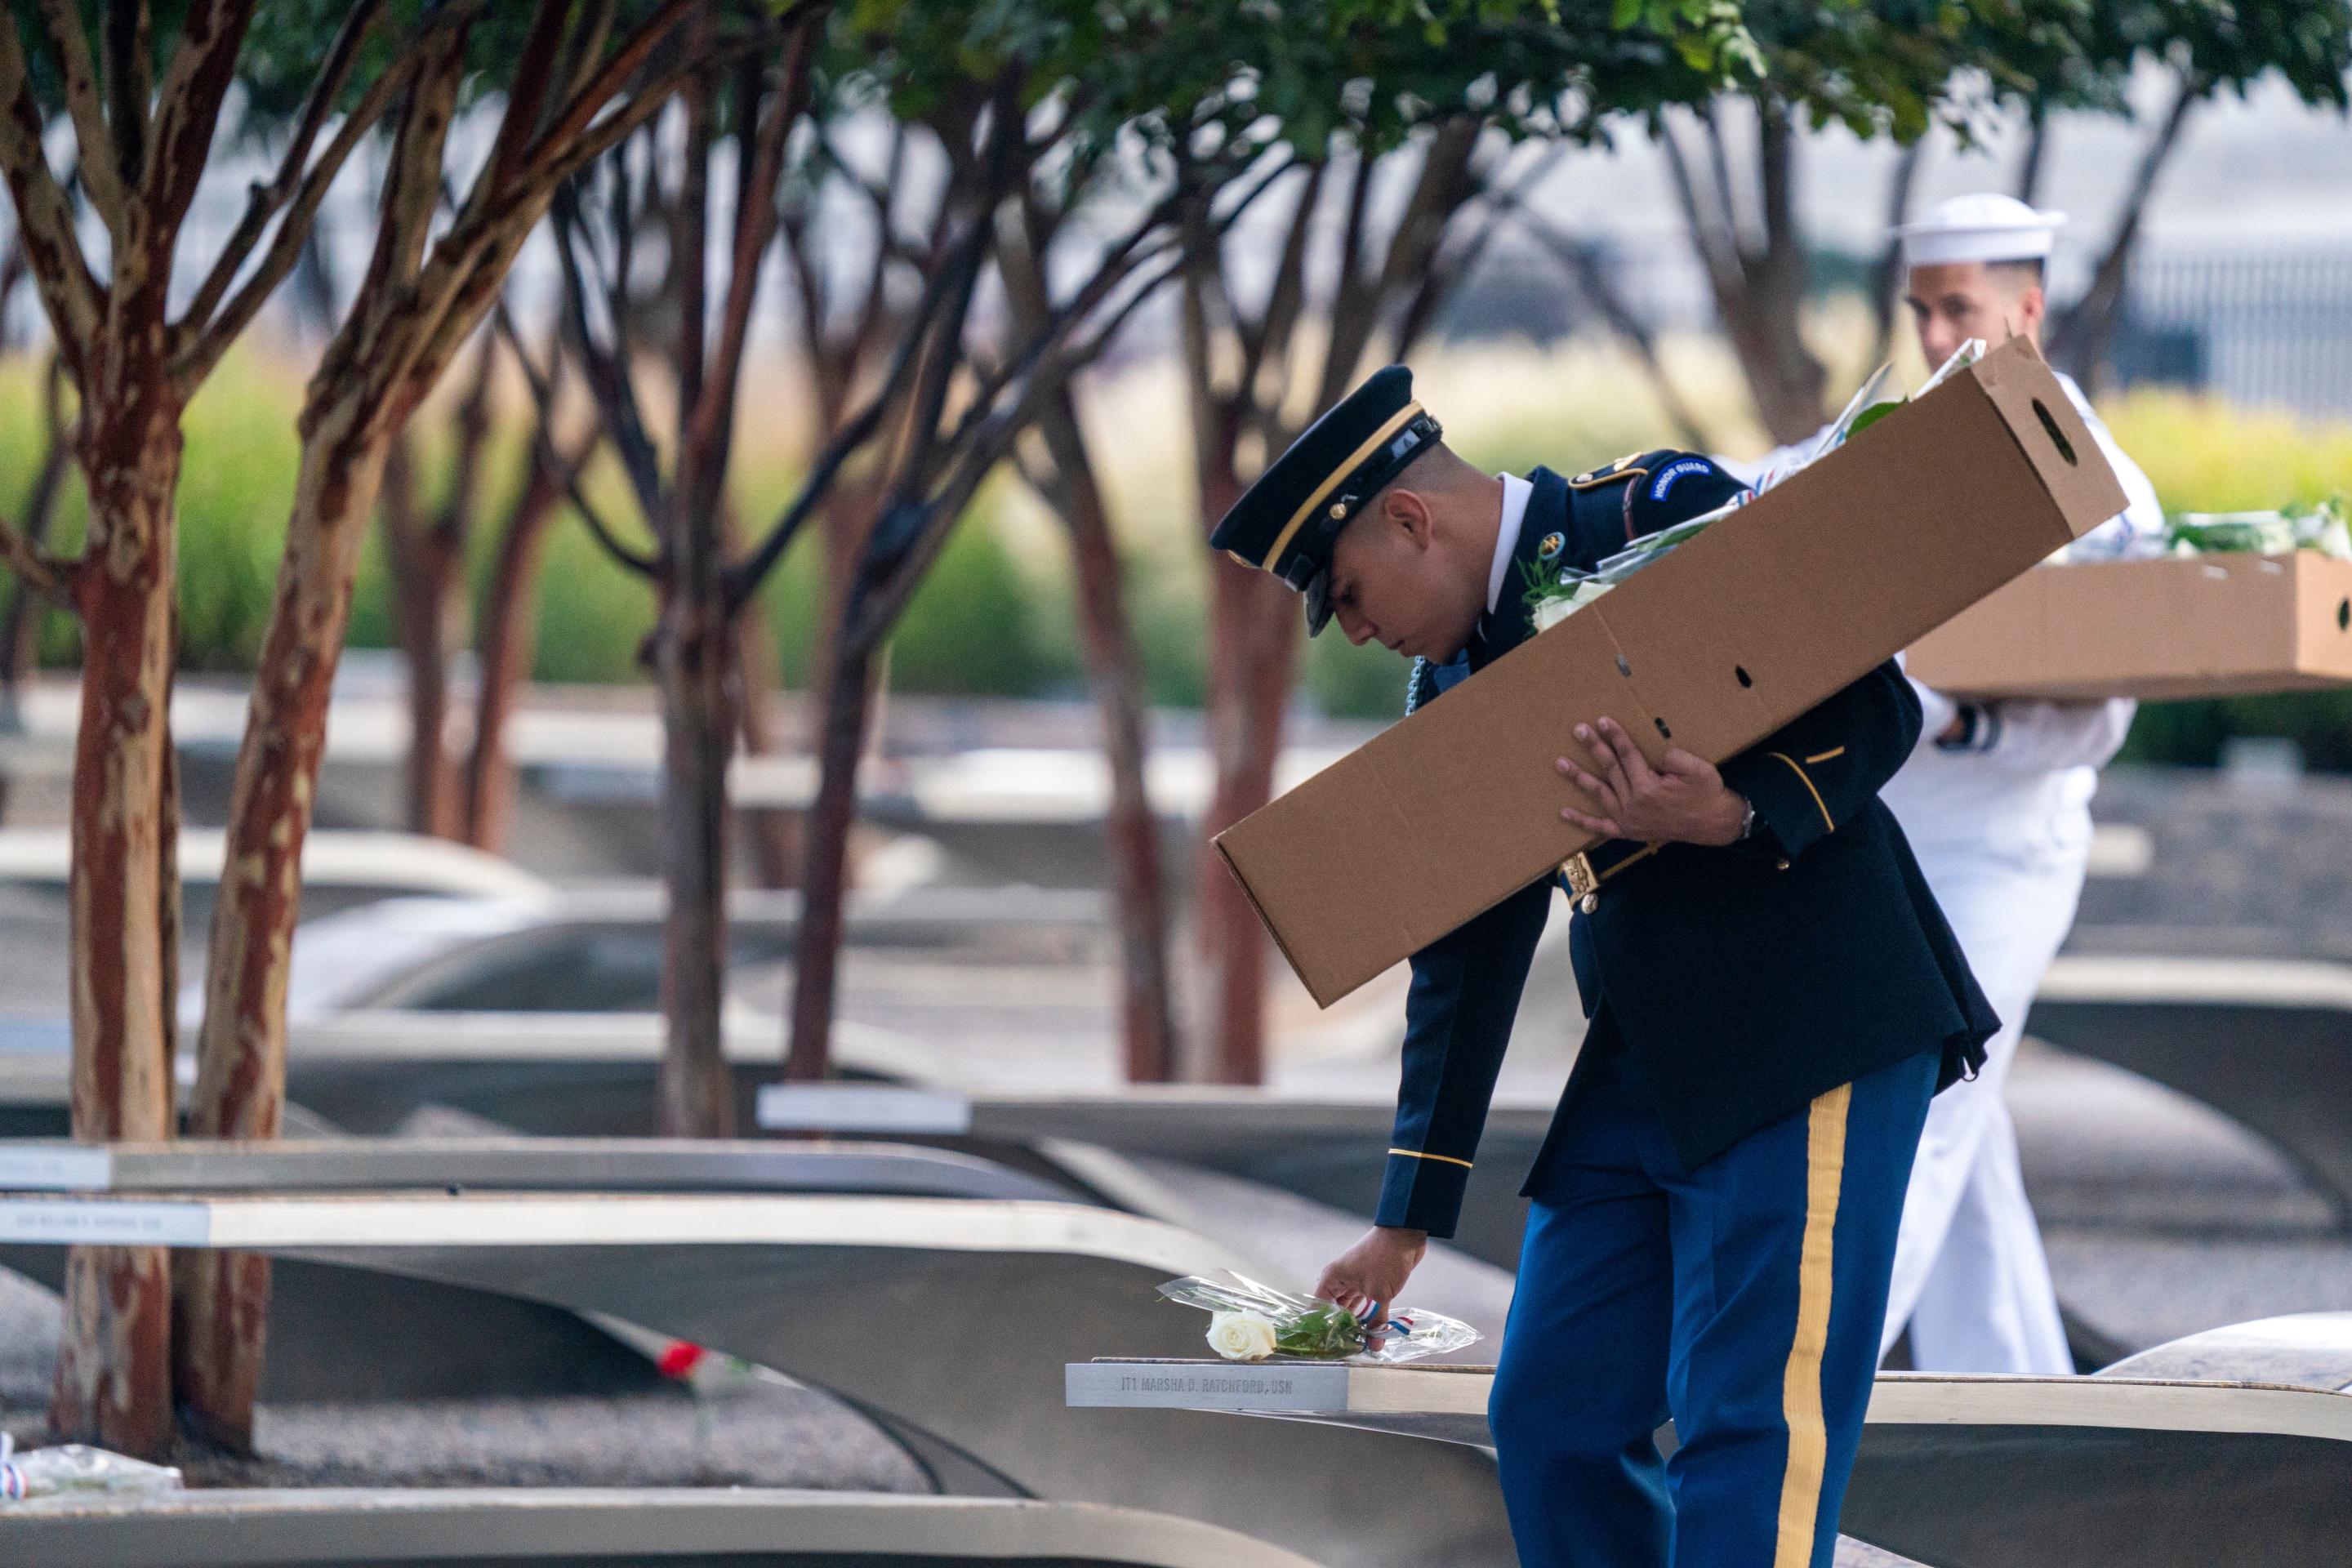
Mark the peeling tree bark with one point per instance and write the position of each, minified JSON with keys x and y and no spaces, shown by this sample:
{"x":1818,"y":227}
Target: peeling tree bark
{"x":241,"y":1056}
{"x":113,"y":1378}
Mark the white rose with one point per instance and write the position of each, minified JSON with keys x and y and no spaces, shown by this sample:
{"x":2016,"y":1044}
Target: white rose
{"x":1241,"y":1336}
{"x":1551,"y":612}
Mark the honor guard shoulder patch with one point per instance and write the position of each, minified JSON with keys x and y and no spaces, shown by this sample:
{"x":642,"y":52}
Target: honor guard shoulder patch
{"x":1675,"y":470}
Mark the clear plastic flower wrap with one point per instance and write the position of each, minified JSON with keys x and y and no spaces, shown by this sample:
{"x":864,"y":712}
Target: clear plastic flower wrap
{"x":2322,"y":529}
{"x":76,"y":1467}
{"x":1250,"y":1321}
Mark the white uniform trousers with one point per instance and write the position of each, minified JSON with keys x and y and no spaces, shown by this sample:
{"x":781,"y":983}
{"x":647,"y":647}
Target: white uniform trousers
{"x":1972,"y":1280}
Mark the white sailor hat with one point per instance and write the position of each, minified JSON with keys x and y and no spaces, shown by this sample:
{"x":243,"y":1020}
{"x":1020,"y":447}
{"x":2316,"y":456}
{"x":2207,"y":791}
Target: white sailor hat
{"x":1982,"y":227}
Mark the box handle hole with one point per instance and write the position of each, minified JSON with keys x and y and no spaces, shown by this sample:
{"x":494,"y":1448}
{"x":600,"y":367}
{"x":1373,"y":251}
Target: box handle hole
{"x":1741,"y":672}
{"x":1661,"y":723}
{"x":2065,"y":448}
{"x":2344,"y":614}
{"x":1623,"y":668}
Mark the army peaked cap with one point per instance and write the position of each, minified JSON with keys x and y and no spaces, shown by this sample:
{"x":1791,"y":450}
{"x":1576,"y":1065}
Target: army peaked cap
{"x":1286,"y":522}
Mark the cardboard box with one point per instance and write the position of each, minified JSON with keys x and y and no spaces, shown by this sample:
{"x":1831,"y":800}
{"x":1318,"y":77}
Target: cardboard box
{"x":2206,"y":625}
{"x":1771,"y":611}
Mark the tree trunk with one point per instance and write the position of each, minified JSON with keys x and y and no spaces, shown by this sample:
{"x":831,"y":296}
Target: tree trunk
{"x":1254,"y":626}
{"x":775,"y":842}
{"x":1785,"y":378}
{"x":423,"y":580}
{"x":1115,"y":673}
{"x":241,"y":1054}
{"x":1886,"y":284}
{"x":692,"y":654}
{"x":775,"y":830}
{"x":113,"y":1376}
{"x":508,"y":643}
{"x":2037,"y":148}
{"x":824,"y":871}
{"x":2078,"y":341}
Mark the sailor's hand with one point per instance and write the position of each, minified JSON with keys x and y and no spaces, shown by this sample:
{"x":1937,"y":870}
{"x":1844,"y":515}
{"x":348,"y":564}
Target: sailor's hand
{"x":1684,"y":800}
{"x":1368,"y":1277}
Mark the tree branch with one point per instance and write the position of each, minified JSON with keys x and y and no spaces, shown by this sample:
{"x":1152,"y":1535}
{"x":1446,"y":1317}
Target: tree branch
{"x":570,"y":125}
{"x":263,"y":201}
{"x":526,"y":104}
{"x":710,"y":426}
{"x":45,"y":219}
{"x":208,"y":334}
{"x":102,"y":164}
{"x":543,"y":448}
{"x":128,"y":71}
{"x":608,"y":380}
{"x":44,"y":575}
{"x":187,"y":106}
{"x":861,"y":428}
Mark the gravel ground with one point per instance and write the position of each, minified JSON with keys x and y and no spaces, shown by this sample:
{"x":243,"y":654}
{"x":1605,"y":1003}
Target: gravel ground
{"x":735,"y":1430}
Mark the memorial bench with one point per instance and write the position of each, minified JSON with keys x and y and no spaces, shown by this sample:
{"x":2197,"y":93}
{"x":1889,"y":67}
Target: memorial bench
{"x":2266,"y":1042}
{"x":338,"y":1336}
{"x":946,"y":1320}
{"x":610,"y":1528}
{"x":2230,"y":1447}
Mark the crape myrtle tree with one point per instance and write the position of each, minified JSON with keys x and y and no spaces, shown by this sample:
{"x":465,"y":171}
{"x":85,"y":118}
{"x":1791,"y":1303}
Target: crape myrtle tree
{"x":1440,"y":117}
{"x":572,"y":80}
{"x":1891,"y":68}
{"x":1122,"y":118}
{"x":142,"y":101}
{"x":505,"y":624}
{"x":1056,"y":461}
{"x":680,"y":486}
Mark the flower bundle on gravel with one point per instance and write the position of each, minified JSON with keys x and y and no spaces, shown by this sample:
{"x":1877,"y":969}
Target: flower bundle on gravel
{"x":1250,"y":1321}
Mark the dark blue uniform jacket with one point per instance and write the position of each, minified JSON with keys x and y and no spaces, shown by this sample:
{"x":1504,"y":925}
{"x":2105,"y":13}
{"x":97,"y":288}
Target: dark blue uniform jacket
{"x":1744,"y":981}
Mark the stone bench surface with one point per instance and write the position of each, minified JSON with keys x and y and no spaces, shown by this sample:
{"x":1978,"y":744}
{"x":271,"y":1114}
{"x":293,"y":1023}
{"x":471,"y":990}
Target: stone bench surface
{"x":512,"y":1163}
{"x":235,"y":1529}
{"x":950,"y":1319}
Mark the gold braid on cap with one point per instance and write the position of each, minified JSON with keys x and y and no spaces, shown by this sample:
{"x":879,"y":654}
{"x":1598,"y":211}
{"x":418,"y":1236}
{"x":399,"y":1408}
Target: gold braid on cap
{"x":1397,"y":421}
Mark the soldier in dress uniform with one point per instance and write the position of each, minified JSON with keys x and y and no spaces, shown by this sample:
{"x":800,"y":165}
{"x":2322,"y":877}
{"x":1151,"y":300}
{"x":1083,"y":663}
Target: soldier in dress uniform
{"x":1996,"y":800}
{"x":1772,"y":997}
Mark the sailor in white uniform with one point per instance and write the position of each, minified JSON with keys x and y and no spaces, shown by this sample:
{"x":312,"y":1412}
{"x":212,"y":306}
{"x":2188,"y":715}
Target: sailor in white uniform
{"x":1996,"y":802}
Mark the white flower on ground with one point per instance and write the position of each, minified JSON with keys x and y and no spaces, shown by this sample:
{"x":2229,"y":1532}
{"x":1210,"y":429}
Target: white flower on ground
{"x":1241,"y":1336}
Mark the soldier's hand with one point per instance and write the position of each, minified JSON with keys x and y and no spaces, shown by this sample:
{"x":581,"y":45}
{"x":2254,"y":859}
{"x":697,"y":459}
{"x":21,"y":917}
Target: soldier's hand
{"x":1683,"y":801}
{"x":1368,"y":1277}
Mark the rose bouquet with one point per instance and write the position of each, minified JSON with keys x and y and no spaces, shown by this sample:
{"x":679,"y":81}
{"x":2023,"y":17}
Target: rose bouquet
{"x":1250,"y":1321}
